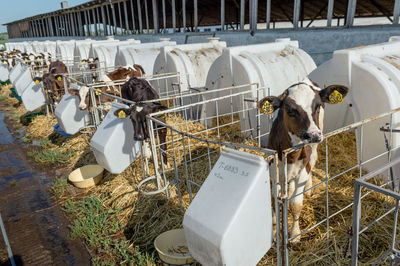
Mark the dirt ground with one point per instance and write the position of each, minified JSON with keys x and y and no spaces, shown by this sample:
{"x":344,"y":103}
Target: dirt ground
{"x":36,"y":227}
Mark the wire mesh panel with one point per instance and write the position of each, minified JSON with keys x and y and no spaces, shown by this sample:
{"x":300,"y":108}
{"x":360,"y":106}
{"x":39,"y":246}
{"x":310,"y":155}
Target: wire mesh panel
{"x":193,"y":144}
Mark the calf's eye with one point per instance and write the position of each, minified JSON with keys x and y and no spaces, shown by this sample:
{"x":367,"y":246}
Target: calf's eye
{"x":291,"y":111}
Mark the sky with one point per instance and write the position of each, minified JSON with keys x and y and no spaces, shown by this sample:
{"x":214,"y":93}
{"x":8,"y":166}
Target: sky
{"x":12,"y":10}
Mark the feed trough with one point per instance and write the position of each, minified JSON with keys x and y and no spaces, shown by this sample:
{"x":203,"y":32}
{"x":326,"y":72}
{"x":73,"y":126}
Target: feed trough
{"x":86,"y":176}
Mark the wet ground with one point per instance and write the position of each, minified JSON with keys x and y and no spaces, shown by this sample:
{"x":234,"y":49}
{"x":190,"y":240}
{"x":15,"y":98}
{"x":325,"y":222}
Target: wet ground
{"x":35,"y":225}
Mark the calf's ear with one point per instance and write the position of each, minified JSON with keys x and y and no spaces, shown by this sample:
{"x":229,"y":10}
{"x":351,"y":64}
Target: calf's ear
{"x":37,"y":80}
{"x":333,"y":94}
{"x":59,"y":77}
{"x":269,"y":104}
{"x":122,"y":113}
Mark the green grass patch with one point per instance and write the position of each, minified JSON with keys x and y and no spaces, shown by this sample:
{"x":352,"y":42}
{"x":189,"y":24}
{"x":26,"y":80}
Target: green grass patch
{"x":100,"y":228}
{"x":52,"y":156}
{"x":58,"y":187}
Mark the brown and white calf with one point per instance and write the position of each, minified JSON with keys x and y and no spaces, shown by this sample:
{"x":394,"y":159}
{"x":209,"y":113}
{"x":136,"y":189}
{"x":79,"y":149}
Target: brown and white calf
{"x":119,"y":74}
{"x":298,"y":118}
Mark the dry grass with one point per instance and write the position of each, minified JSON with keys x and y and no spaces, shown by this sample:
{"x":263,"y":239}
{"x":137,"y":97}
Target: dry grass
{"x":145,"y":217}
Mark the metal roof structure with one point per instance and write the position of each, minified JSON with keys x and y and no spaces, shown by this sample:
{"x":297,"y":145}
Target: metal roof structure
{"x":150,"y":16}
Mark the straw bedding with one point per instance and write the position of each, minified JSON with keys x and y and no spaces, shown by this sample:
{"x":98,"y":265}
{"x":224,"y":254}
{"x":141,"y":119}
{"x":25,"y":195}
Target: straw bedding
{"x":145,"y":217}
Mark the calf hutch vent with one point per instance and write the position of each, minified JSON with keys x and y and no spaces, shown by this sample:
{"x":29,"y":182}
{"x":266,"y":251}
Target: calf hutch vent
{"x":192,"y":61}
{"x":373,"y":75}
{"x":229,"y":222}
{"x":113,"y":144}
{"x":69,"y":116}
{"x":274,"y":66}
{"x":144,"y":54}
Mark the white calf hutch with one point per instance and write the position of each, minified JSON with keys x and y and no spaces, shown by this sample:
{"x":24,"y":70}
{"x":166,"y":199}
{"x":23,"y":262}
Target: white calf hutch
{"x":191,"y":61}
{"x":144,"y":54}
{"x":65,"y":51}
{"x":373,"y":75}
{"x":274,"y":66}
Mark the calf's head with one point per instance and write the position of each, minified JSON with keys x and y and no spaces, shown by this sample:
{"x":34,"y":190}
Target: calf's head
{"x":301,"y":109}
{"x":83,"y":96}
{"x":137,"y":114}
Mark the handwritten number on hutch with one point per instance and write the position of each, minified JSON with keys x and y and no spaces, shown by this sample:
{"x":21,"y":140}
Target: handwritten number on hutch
{"x":231,"y":169}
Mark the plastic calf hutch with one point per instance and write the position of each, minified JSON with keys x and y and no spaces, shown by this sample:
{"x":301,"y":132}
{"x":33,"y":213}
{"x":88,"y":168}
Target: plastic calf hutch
{"x":274,"y":66}
{"x":192,"y":61}
{"x":144,"y":54}
{"x":373,"y":75}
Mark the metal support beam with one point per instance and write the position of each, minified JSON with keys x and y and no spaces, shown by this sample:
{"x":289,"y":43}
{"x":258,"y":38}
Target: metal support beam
{"x":155,"y":16}
{"x":133,"y":18}
{"x":330,"y":13}
{"x":49,"y":27}
{"x":114,"y":18}
{"x":173,"y":16}
{"x":253,"y":6}
{"x":164,"y":16}
{"x":396,"y":12}
{"x":140,"y":16}
{"x":89,"y":22}
{"x":57,"y":25}
{"x":80,"y":24}
{"x":67,"y":25}
{"x":71,"y":18}
{"x":196,"y":16}
{"x":39,"y":28}
{"x":296,"y":13}
{"x":147,"y":15}
{"x":222,"y":14}
{"x":351,"y":10}
{"x":120,"y":18}
{"x":96,"y":32}
{"x":109,"y":26}
{"x":127,"y":28}
{"x":242,"y":10}
{"x":268,"y":14}
{"x":86,"y":23}
{"x":45,"y":32}
{"x":103,"y":17}
{"x":184,"y":15}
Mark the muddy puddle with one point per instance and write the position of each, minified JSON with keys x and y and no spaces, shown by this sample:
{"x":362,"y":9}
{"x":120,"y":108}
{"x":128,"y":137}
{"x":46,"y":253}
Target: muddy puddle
{"x":35,"y":225}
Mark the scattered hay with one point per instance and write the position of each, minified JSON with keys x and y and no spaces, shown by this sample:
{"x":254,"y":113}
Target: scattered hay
{"x":145,"y":217}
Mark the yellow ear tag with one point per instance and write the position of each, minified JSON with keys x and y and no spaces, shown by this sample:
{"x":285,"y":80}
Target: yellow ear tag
{"x":4,"y":62}
{"x":99,"y":93}
{"x":84,"y":62}
{"x":38,"y":58}
{"x":267,"y":108}
{"x":26,"y":60}
{"x":59,"y":78}
{"x":37,"y":82}
{"x":121,"y":114}
{"x":335,"y":97}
